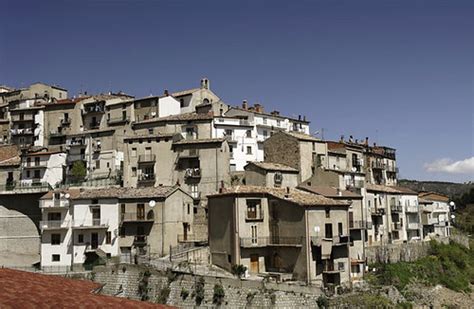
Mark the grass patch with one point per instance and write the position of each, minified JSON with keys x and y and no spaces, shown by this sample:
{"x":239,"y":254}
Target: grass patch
{"x":449,"y":265}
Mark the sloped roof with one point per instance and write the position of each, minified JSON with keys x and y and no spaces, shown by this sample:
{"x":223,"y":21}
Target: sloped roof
{"x":405,"y":190}
{"x":22,"y":289}
{"x":179,"y":117}
{"x":296,"y":196}
{"x":9,"y":155}
{"x":381,"y":188}
{"x":273,"y":166}
{"x":126,"y":193}
{"x":184,"y":92}
{"x":302,"y":136}
{"x":434,"y":196}
{"x":330,"y":191}
{"x":199,"y":141}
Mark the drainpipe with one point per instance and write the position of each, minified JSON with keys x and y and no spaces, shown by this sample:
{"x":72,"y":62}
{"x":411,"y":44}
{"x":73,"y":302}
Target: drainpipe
{"x":308,"y":272}
{"x":163,"y":230}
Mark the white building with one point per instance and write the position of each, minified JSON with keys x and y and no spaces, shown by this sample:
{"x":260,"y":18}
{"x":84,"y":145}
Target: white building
{"x":42,"y":168}
{"x":436,"y":214}
{"x":248,"y":127}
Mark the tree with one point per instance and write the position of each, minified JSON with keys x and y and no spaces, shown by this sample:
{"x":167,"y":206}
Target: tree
{"x":78,"y":170}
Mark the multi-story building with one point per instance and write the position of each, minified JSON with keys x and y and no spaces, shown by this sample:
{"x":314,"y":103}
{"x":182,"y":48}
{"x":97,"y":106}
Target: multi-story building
{"x":81,"y":226}
{"x":308,"y":153}
{"x":201,"y":100}
{"x":155,"y":107}
{"x":436,"y":214}
{"x":381,"y":168}
{"x":286,"y":232}
{"x":43,"y":168}
{"x":9,"y":166}
{"x":270,"y":175}
{"x":411,"y":212}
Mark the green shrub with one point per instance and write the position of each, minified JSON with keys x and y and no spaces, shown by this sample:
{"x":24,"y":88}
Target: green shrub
{"x":163,"y":296}
{"x":184,"y":293}
{"x":239,"y":270}
{"x":199,"y":291}
{"x":322,"y":302}
{"x":218,"y":295}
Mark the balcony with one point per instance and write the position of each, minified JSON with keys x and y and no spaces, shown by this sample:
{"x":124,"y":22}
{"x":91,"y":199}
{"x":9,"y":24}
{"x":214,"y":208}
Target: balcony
{"x":341,"y":240}
{"x":357,"y":224}
{"x":56,"y":134}
{"x":144,"y":178}
{"x":66,"y":122}
{"x":94,"y":125}
{"x":411,"y":208}
{"x":413,"y":226}
{"x":135,"y":217}
{"x":76,"y":143}
{"x":25,"y":131}
{"x":61,"y":203}
{"x":35,"y":165}
{"x":392,"y":169}
{"x":250,"y":242}
{"x":331,"y":267}
{"x":396,"y":208}
{"x":190,"y":238}
{"x":90,"y":224}
{"x":377,"y":211}
{"x":93,"y":109}
{"x":54,"y":224}
{"x":147,"y":158}
{"x":23,"y":118}
{"x":378,"y":165}
{"x":118,"y":120}
{"x":193,"y":173}
{"x":430,"y":221}
{"x":396,"y":226}
{"x":140,"y":240}
{"x":188,"y":154}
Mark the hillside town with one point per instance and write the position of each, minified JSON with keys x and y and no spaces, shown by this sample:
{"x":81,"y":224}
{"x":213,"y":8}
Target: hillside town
{"x":111,"y":178}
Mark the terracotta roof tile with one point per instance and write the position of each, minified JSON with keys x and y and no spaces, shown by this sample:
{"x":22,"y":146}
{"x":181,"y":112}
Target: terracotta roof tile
{"x":124,"y":193}
{"x":179,"y":117}
{"x":31,"y":290}
{"x":296,"y":196}
{"x":330,"y":192}
{"x":9,"y":155}
{"x":273,"y":166}
{"x":184,"y":92}
{"x":199,"y":141}
{"x":381,"y":188}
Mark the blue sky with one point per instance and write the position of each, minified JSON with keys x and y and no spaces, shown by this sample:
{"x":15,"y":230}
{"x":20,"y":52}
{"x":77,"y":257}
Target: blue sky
{"x":400,"y":72}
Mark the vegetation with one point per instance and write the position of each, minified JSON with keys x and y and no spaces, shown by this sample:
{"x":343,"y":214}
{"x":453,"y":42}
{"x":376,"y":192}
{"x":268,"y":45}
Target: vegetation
{"x":143,"y":288}
{"x":78,"y":170}
{"x":449,"y":265}
{"x":163,"y":296}
{"x":218,"y":295}
{"x":250,"y":297}
{"x":184,"y":294}
{"x":239,"y":270}
{"x":199,"y":291}
{"x":465,"y":212}
{"x":322,"y":302}
{"x":366,"y":300}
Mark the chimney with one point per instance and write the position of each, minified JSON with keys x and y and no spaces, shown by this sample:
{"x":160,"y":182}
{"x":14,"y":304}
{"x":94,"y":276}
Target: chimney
{"x":299,"y":117}
{"x":341,"y":140}
{"x":245,"y":106}
{"x":275,"y":113}
{"x":339,"y":192}
{"x":205,"y":84}
{"x":366,"y":141}
{"x":375,"y":145}
{"x":166,"y":92}
{"x":258,"y":108}
{"x":304,"y":118}
{"x":351,"y":139}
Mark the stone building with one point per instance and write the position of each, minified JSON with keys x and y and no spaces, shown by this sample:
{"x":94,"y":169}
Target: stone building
{"x":270,"y":175}
{"x":381,"y":168}
{"x":308,"y":153}
{"x":201,"y":100}
{"x":9,"y":166}
{"x":281,"y":232}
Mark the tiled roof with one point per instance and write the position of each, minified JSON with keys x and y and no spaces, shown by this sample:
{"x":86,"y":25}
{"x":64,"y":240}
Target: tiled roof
{"x":434,"y":196}
{"x":184,"y":92}
{"x":73,"y":193}
{"x":150,"y":136}
{"x":199,"y":141}
{"x":273,"y":166}
{"x":381,"y":188}
{"x":125,"y":193}
{"x":9,"y":155}
{"x":296,"y":196}
{"x":268,"y":114}
{"x":179,"y":117}
{"x":302,"y":136}
{"x":32,"y":290}
{"x":329,"y":191}
{"x":423,"y":201}
{"x":405,"y":190}
{"x":67,"y":101}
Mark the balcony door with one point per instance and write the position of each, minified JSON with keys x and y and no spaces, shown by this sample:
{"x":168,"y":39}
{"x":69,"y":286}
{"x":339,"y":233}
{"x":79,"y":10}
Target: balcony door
{"x":140,"y":211}
{"x":94,"y":240}
{"x":95,"y":216}
{"x":254,"y":263}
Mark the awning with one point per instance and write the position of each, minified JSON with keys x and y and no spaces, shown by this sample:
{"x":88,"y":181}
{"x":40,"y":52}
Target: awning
{"x":126,"y":241}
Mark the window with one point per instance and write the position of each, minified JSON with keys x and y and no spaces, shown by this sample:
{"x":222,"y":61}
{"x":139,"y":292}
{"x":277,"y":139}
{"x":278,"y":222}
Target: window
{"x":229,"y":132}
{"x":339,"y":227}
{"x":328,"y":230}
{"x":140,"y":211}
{"x":134,"y":172}
{"x":278,"y":178}
{"x":328,"y":212}
{"x":134,"y":152}
{"x":124,"y":115}
{"x":57,"y":195}
{"x":80,"y":238}
{"x":249,"y":150}
{"x":55,"y":239}
{"x":37,"y":161}
{"x":28,"y":174}
{"x":97,"y":164}
{"x":108,"y":238}
{"x":189,"y":209}
{"x":278,"y":123}
{"x":264,"y":120}
{"x":340,"y":266}
{"x":150,"y":131}
{"x":254,"y":209}
{"x":95,"y":201}
{"x":265,"y":133}
{"x":37,"y":174}
{"x":181,"y":103}
{"x":55,"y":257}
{"x":254,"y":234}
{"x":249,"y":133}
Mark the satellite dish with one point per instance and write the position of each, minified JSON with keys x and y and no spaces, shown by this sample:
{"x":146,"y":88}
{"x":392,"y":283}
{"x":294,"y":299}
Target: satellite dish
{"x":152,"y":203}
{"x":451,"y":204}
{"x":67,"y":195}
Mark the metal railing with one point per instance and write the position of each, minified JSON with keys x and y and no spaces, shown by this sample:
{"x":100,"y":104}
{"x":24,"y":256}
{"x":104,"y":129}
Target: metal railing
{"x":396,"y":208}
{"x":146,"y":158}
{"x":24,"y":131}
{"x":35,"y":164}
{"x":411,"y":208}
{"x":92,"y":223}
{"x":396,"y":226}
{"x":26,"y":117}
{"x":146,"y":177}
{"x":134,"y":216}
{"x":357,"y":224}
{"x":413,"y":226}
{"x":66,"y":121}
{"x":113,"y":120}
{"x":270,"y":241}
{"x":192,"y":173}
{"x":188,"y":153}
{"x":378,"y":165}
{"x":140,"y":239}
{"x":55,"y":224}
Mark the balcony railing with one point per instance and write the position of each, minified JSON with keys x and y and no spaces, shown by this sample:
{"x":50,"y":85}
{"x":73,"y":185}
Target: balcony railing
{"x":56,"y":204}
{"x":247,"y":242}
{"x":357,"y":224}
{"x":133,"y":216}
{"x":73,"y":143}
{"x":430,"y":221}
{"x":146,"y":177}
{"x":378,"y":165}
{"x":146,"y":158}
{"x":95,"y":108}
{"x":94,"y":125}
{"x":358,"y":184}
{"x":391,"y":169}
{"x":90,"y":223}
{"x":331,"y":267}
{"x":341,"y":240}
{"x":66,"y":121}
{"x":379,"y":211}
{"x":18,"y":118}
{"x":188,"y":153}
{"x":116,"y":120}
{"x":411,"y":208}
{"x":140,"y":240}
{"x":396,"y":208}
{"x":396,"y":226}
{"x":25,"y":131}
{"x":192,"y":173}
{"x":413,"y":226}
{"x":54,"y":224}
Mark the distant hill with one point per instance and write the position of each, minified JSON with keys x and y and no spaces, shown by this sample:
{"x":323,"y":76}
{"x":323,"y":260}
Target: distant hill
{"x":451,"y":189}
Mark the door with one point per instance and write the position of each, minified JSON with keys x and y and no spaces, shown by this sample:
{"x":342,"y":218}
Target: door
{"x":95,"y":216}
{"x":94,"y":240}
{"x":351,"y":219}
{"x":185,"y":231}
{"x":140,"y":211}
{"x":254,"y":263}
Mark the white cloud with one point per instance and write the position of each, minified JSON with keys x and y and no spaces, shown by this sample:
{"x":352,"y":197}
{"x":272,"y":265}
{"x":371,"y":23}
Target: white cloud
{"x":449,"y":166}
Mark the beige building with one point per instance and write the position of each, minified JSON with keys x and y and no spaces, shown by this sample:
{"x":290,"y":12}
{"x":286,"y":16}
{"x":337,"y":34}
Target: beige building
{"x":281,"y":232}
{"x":200,"y":100}
{"x":270,"y":175}
{"x":381,"y":168}
{"x":308,"y":152}
{"x":9,"y":166}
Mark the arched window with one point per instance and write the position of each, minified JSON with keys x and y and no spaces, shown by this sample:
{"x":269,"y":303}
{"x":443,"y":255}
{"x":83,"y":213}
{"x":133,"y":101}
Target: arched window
{"x":205,"y":101}
{"x":150,"y":215}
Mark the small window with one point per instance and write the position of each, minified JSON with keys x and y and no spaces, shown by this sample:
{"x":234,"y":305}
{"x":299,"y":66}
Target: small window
{"x":97,"y":164}
{"x":265,"y":133}
{"x":108,"y":238}
{"x":57,"y":195}
{"x":37,"y":174}
{"x":95,"y":201}
{"x":254,"y":209}
{"x":134,"y":172}
{"x":55,"y":258}
{"x":150,"y":131}
{"x":328,"y":212}
{"x":264,"y":120}
{"x":134,"y":152}
{"x":339,"y":227}
{"x":181,"y":103}
{"x":249,"y":133}
{"x":189,"y":209}
{"x":28,"y":174}
{"x":80,"y":238}
{"x":249,"y":150}
{"x":328,"y":230}
{"x":55,"y":239}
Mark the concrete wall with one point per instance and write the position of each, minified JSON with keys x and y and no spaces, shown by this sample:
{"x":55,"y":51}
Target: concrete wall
{"x":168,"y":106}
{"x":222,"y":242}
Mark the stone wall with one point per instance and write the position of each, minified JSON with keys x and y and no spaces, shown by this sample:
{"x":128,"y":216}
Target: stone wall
{"x":123,"y":281}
